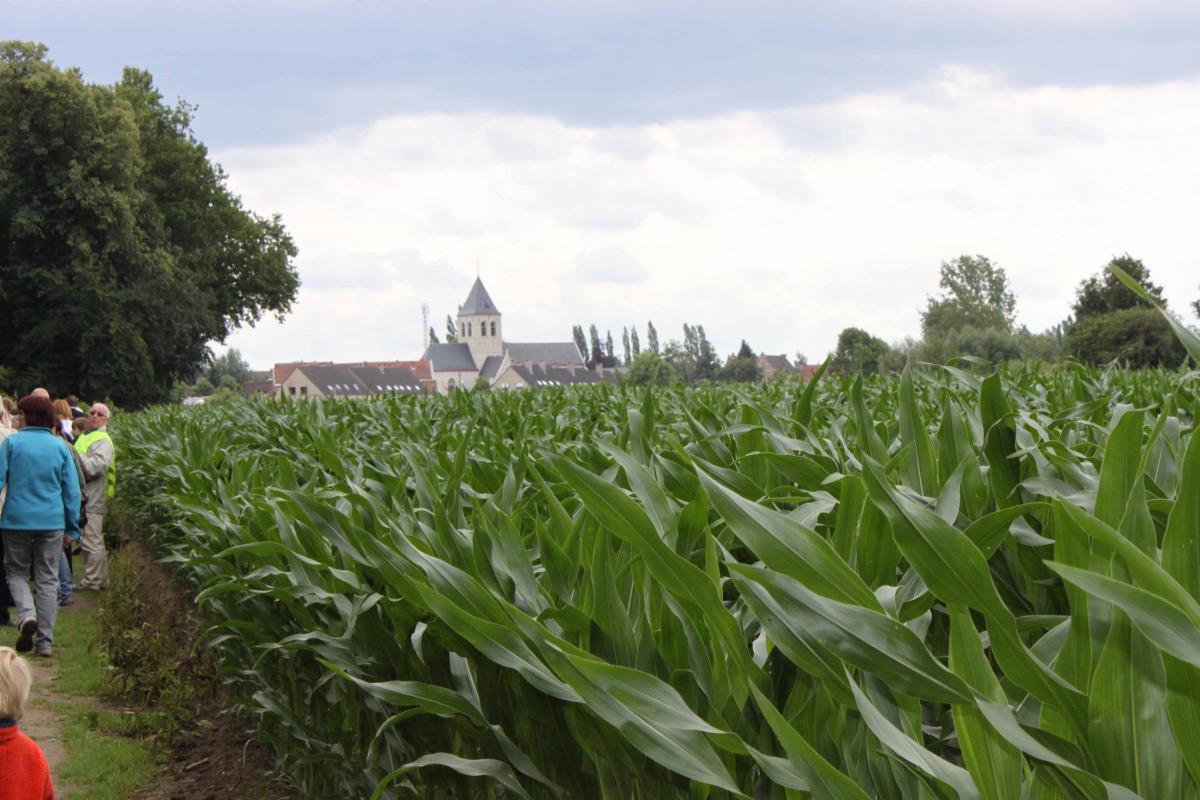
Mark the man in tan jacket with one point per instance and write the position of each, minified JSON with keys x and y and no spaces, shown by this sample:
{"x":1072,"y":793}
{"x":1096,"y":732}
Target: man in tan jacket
{"x":96,"y":452}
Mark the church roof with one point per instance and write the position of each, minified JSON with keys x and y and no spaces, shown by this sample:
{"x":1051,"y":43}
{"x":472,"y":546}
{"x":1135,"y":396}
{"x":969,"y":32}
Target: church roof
{"x":548,"y":352}
{"x":491,"y":365}
{"x":450,"y":357}
{"x":478,"y":301}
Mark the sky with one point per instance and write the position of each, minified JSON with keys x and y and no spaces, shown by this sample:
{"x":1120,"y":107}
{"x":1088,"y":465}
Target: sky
{"x":773,"y":171}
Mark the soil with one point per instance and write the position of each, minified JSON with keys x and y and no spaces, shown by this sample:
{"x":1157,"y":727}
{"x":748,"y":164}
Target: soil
{"x":217,"y":756}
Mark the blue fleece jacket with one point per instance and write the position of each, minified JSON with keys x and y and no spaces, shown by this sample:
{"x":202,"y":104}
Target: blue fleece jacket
{"x":43,"y":488}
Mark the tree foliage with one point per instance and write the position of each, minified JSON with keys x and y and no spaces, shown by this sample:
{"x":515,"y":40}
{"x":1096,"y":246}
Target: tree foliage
{"x":1137,"y":337}
{"x":740,"y":369}
{"x":122,"y":251}
{"x":1103,"y":292}
{"x":230,"y":363}
{"x":859,"y":351}
{"x":975,"y":293}
{"x":451,"y":330}
{"x":649,"y":368}
{"x":652,"y":337}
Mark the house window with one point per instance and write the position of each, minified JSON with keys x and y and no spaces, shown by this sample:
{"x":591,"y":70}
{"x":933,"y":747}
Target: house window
{"x":468,"y":329}
{"x":493,"y":329}
{"x":292,"y":390}
{"x":303,"y":390}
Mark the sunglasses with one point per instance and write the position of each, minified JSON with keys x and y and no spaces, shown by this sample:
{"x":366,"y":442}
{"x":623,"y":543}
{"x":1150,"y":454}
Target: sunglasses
{"x":96,"y":414}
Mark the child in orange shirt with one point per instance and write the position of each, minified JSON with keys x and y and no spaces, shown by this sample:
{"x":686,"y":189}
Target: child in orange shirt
{"x":25,"y":773}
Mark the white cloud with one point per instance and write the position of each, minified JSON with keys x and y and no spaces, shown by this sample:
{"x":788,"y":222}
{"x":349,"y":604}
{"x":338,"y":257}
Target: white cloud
{"x":780,"y":227}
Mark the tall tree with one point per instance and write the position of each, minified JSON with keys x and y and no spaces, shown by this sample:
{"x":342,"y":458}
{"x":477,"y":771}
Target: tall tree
{"x":1103,"y":292}
{"x":744,"y":351}
{"x":975,"y":294}
{"x":634,"y":343}
{"x":597,"y":351}
{"x":580,"y":340}
{"x":432,"y":335}
{"x":651,"y":337}
{"x":122,"y":251}
{"x":229,"y":363}
{"x":859,"y":351}
{"x":608,"y":346}
{"x":625,"y":344}
{"x":451,"y":330}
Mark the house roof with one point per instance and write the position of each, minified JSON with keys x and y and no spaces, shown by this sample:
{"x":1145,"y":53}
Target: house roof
{"x":345,"y":381}
{"x":258,"y":387}
{"x":449,"y":358}
{"x":491,"y":366}
{"x":420,"y":368}
{"x":779,"y":363}
{"x":478,"y":301}
{"x":547,"y":352}
{"x":536,"y":376}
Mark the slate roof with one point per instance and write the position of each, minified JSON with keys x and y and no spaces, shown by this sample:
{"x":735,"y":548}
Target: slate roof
{"x":548,"y":352}
{"x":778,"y":363}
{"x":554,"y":376}
{"x":478,"y":301}
{"x":449,"y":358}
{"x":491,"y":366}
{"x":343,"y":381}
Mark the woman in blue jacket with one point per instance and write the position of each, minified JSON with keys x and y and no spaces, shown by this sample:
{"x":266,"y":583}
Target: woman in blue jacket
{"x":42,"y":503}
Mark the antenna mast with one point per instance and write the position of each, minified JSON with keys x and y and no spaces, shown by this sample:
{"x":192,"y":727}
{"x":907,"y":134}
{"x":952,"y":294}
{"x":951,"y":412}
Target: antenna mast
{"x":425,"y":325}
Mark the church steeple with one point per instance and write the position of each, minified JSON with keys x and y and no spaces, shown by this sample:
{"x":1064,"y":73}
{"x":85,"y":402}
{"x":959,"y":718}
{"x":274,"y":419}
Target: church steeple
{"x":479,"y":324}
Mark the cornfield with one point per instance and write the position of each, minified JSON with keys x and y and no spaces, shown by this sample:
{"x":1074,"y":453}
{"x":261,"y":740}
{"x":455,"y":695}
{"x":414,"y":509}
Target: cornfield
{"x":936,"y":585}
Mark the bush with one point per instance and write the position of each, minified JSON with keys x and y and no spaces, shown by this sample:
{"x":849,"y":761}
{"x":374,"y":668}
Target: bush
{"x":1138,"y":337}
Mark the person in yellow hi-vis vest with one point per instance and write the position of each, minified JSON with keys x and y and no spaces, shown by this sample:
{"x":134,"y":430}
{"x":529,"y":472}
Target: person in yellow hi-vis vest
{"x":96,"y":452}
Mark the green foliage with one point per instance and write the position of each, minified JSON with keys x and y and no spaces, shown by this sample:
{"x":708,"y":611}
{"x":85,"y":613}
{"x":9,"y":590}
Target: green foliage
{"x":694,"y":359}
{"x":975,"y":294}
{"x":652,"y":337}
{"x":1104,"y":292}
{"x":580,"y":339}
{"x":229,"y":364}
{"x":916,"y":585}
{"x":650,"y":369}
{"x":741,"y":369}
{"x":122,"y":251}
{"x":1138,"y":337}
{"x":451,"y":330}
{"x":993,"y":345}
{"x":859,"y":351}
{"x":203,"y":387}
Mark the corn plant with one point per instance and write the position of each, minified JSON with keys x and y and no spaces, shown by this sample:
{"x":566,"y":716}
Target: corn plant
{"x":936,"y":585}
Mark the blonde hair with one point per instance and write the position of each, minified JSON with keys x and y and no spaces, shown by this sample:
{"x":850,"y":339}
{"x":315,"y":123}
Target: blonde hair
{"x":15,"y":681}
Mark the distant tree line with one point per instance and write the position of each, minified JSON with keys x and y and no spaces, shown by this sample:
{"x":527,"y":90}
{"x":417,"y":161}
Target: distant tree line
{"x":974,"y":315}
{"x":691,"y":359}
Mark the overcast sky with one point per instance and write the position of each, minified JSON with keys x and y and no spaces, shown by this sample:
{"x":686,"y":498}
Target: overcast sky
{"x":773,"y":171}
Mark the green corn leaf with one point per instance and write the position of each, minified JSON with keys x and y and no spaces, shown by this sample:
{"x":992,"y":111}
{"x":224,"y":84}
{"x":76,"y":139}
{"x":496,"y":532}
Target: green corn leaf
{"x":996,"y":765}
{"x":1189,"y":339}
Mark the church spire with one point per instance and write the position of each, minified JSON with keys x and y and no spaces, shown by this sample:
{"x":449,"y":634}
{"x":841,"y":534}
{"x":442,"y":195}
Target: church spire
{"x":478,"y":301}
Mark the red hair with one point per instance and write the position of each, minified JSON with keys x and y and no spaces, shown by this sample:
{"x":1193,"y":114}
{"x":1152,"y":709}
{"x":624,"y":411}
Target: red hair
{"x":38,"y":411}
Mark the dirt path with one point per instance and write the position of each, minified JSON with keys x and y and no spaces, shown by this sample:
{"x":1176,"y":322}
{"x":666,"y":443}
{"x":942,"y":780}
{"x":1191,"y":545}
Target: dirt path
{"x":41,"y":722}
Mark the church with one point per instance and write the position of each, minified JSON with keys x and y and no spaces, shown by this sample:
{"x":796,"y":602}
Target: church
{"x":482,"y":352}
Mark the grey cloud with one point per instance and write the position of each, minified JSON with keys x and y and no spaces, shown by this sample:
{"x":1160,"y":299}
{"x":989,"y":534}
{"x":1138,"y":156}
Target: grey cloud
{"x":286,"y":70}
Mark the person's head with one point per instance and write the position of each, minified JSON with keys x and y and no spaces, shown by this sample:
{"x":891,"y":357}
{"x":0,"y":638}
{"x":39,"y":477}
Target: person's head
{"x":79,"y":425}
{"x":72,"y":400}
{"x":37,"y":410}
{"x":97,"y":416}
{"x":40,"y":392}
{"x":15,"y":680}
{"x":61,"y":409}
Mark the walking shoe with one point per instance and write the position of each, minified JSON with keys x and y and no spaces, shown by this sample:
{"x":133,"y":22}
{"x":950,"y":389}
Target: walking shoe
{"x":67,"y":602}
{"x":25,"y":635}
{"x":44,"y":651}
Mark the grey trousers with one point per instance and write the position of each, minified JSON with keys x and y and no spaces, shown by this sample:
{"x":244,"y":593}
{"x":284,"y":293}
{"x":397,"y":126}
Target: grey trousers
{"x":42,"y":549}
{"x":95,"y":560}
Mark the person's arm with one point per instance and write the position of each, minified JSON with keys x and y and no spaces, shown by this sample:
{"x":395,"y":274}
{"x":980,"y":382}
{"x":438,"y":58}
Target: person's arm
{"x":98,"y":459}
{"x":4,"y":448}
{"x":70,"y":495}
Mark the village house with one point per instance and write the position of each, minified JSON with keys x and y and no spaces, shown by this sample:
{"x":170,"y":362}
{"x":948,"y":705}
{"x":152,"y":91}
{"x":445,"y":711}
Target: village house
{"x":365,"y":378}
{"x":482,"y":353}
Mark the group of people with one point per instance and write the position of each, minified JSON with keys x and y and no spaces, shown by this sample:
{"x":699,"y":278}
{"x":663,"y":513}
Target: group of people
{"x":57,"y":473}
